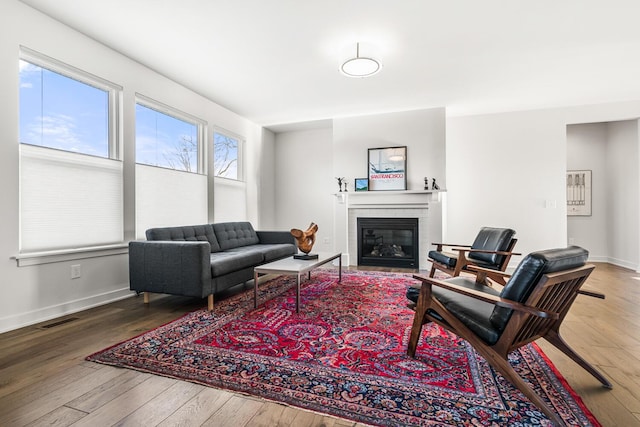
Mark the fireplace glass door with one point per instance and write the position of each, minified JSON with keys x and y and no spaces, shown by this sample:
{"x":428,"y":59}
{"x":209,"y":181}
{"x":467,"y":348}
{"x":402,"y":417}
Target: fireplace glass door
{"x":388,"y":242}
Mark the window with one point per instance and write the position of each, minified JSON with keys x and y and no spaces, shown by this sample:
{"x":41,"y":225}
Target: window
{"x":60,"y":112}
{"x":169,"y":140}
{"x":70,"y":176}
{"x":227,"y":156}
{"x":168,"y":144}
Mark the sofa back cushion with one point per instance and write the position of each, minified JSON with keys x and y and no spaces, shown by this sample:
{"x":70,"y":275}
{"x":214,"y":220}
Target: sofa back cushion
{"x":235,"y":234}
{"x":186,"y":233}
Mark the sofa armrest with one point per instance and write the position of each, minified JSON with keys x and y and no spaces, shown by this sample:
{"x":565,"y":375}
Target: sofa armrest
{"x":171,"y":267}
{"x":271,"y":237}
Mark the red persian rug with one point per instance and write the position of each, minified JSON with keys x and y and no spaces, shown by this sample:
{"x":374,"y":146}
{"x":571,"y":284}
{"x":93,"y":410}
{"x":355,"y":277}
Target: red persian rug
{"x":344,"y":354}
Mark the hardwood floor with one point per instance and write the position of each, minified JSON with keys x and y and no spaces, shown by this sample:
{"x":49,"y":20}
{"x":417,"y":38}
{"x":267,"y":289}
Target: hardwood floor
{"x":44,"y":379}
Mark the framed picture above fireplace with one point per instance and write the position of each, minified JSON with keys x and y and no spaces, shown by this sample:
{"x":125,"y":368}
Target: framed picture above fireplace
{"x":387,"y":168}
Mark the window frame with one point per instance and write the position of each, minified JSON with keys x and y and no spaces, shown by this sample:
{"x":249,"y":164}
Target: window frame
{"x":201,"y":128}
{"x":240,"y":154}
{"x":114,"y":151}
{"x":114,"y":94}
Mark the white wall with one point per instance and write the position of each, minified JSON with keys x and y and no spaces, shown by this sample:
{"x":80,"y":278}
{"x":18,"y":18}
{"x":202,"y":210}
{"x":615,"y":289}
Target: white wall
{"x":508,"y":169}
{"x":45,"y":291}
{"x":422,"y":131}
{"x":623,"y":190}
{"x":587,"y":150}
{"x":304,"y":182}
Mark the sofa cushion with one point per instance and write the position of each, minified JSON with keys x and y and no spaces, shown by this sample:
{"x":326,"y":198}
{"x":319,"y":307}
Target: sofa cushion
{"x":270,"y":252}
{"x":235,"y":234}
{"x":185,"y":233}
{"x":229,"y":261}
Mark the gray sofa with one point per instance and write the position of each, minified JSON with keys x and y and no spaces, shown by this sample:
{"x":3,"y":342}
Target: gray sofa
{"x":201,"y":260}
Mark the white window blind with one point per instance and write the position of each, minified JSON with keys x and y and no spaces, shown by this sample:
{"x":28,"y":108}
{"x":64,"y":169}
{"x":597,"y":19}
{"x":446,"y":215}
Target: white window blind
{"x":68,"y":200}
{"x":166,"y":197}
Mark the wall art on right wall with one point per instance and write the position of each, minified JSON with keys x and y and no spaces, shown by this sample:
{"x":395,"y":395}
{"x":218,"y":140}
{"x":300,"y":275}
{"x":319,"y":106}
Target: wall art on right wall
{"x":579,"y":193}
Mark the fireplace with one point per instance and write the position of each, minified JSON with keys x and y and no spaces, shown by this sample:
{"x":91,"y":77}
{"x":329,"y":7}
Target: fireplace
{"x":388,"y":242}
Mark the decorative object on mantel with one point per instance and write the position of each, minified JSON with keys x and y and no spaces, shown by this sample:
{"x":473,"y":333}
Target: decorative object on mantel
{"x":362,"y":184}
{"x":305,"y":241}
{"x":434,"y":185}
{"x":387,"y":168}
{"x":426,"y":183}
{"x":340,"y":181}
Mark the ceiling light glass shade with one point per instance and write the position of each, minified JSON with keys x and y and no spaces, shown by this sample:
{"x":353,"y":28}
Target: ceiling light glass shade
{"x":360,"y":66}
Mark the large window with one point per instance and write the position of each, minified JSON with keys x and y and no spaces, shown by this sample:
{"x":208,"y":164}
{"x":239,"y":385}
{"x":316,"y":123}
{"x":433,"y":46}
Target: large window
{"x":70,"y":174}
{"x":171,"y":188}
{"x":166,"y":139}
{"x":227,"y":156}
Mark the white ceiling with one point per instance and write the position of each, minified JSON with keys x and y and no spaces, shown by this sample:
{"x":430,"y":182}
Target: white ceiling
{"x":276,"y":61}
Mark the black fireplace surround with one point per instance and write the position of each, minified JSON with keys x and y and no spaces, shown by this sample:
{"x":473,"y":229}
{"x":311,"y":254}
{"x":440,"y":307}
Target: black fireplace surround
{"x":388,"y":242}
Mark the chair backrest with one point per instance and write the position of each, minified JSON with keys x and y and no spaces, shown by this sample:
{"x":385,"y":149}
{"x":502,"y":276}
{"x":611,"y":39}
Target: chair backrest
{"x":528,"y":273}
{"x":491,"y":239}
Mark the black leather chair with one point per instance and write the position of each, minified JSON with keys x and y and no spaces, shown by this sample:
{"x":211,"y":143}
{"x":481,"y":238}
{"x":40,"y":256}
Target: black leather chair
{"x":532,"y":305}
{"x":491,"y":249}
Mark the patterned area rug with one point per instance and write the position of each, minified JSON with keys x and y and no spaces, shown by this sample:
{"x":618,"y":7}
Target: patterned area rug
{"x":344,"y":354}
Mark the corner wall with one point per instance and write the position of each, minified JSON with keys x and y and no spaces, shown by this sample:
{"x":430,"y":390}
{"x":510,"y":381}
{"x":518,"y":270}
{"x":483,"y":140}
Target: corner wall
{"x":41,"y":292}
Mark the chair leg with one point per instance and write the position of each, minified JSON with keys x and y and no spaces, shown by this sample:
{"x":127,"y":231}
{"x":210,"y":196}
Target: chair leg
{"x":433,"y":270}
{"x":554,"y":338}
{"x":416,"y":328}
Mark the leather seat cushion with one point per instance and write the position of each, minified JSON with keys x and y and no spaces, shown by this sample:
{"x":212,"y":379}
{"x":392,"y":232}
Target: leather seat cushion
{"x":529,"y":271}
{"x":447,"y":258}
{"x":491,"y":239}
{"x":472,"y":313}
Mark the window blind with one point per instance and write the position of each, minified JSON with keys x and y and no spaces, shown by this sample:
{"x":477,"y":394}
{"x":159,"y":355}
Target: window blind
{"x":166,"y":197}
{"x":68,"y":200}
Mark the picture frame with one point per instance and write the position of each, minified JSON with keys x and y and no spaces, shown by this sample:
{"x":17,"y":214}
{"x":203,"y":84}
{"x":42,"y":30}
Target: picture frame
{"x":361,"y":184}
{"x":579,"y":193}
{"x":387,"y":168}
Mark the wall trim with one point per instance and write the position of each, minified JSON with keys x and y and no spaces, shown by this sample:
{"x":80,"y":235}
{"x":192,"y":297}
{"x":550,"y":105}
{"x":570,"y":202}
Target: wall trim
{"x":44,"y":314}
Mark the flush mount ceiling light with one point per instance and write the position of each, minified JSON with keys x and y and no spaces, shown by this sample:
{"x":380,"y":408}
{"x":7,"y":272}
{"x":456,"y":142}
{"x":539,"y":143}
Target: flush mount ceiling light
{"x":360,"y":66}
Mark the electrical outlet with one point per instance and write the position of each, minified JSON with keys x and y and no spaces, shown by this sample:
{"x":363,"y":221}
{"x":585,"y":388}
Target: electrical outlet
{"x":76,"y":271}
{"x":326,"y":241}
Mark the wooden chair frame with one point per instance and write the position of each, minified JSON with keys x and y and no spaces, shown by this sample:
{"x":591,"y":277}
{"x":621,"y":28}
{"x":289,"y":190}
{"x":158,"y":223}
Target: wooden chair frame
{"x":539,"y":317}
{"x":464,"y":263}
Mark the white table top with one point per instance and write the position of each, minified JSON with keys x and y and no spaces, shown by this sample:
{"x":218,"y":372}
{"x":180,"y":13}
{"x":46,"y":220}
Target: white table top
{"x":292,"y":265}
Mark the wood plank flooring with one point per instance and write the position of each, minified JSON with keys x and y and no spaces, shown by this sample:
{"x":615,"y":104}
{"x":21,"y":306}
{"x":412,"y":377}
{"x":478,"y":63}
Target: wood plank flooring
{"x":44,"y":380}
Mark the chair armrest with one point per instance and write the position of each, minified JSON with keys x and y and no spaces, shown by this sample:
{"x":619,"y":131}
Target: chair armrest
{"x":488,"y":271}
{"x":451,"y":245}
{"x":484,"y":251}
{"x":488,"y":298}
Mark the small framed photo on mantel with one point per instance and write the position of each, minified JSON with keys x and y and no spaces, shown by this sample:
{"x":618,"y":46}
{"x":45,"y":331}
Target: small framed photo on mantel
{"x":387,"y":168}
{"x":362,"y":184}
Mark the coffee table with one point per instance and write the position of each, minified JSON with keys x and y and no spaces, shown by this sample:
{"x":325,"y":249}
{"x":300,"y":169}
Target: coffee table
{"x":295,"y":267}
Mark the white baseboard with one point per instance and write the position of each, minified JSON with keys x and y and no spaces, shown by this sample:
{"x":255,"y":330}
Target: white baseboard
{"x":21,"y":320}
{"x":620,"y":263}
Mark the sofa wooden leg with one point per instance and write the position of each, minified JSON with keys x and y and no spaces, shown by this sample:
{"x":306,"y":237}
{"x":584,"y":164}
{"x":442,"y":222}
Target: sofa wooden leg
{"x":145,"y":297}
{"x":210,"y":302}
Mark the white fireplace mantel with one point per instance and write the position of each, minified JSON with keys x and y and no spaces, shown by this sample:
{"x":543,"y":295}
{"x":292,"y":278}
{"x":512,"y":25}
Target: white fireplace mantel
{"x":426,"y":205}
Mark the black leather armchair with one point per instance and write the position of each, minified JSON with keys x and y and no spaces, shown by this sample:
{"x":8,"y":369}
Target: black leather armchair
{"x":532,"y":305}
{"x":491,"y":249}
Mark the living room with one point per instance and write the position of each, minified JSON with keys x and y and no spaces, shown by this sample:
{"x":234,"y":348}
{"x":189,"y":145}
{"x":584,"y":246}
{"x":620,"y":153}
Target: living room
{"x":498,"y":165}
